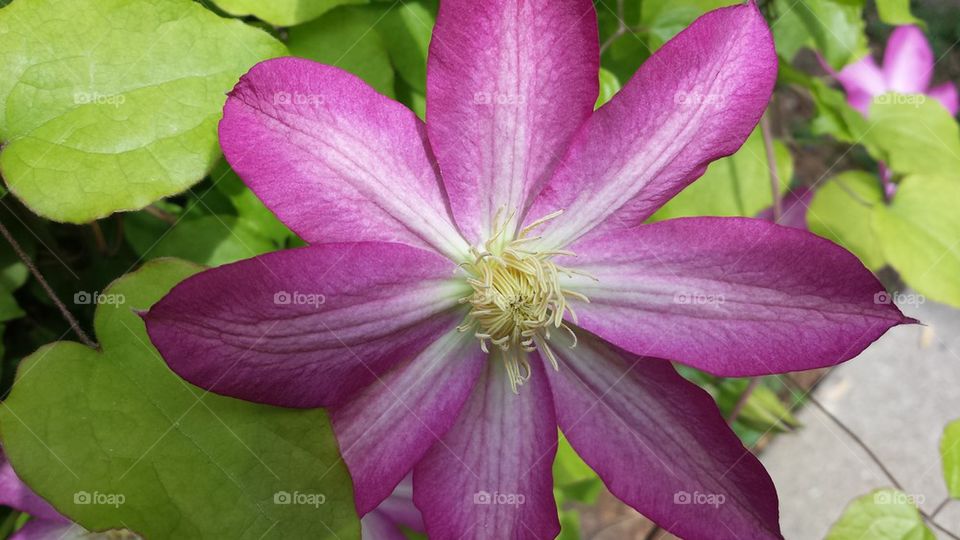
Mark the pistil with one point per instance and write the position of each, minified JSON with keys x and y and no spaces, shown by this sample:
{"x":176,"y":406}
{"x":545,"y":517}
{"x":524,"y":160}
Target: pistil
{"x":517,"y":298}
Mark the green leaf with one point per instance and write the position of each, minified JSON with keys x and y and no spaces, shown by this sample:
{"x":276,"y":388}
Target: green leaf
{"x":251,"y":211}
{"x":344,"y":38}
{"x":282,"y":12}
{"x":13,"y":274}
{"x":738,"y":185}
{"x":609,"y":86}
{"x":913,"y":134}
{"x":210,"y":240}
{"x":574,"y":479}
{"x":112,"y":104}
{"x":842,"y":210}
{"x":896,"y":12}
{"x":950,"y":453}
{"x":885,"y":514}
{"x":664,"y":19}
{"x":834,"y":115}
{"x":836,"y":28}
{"x":790,"y":34}
{"x":117,"y":426}
{"x":763,"y":410}
{"x":920,"y":235}
{"x":406,"y":30}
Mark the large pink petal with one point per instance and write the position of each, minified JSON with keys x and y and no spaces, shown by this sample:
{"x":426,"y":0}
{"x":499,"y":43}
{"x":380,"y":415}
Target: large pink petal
{"x":660,"y":444}
{"x":862,"y":80}
{"x":908,"y":61}
{"x":946,"y":94}
{"x":305,"y":327}
{"x":731,"y":296}
{"x":695,"y":100}
{"x":490,"y":476}
{"x":335,"y":160}
{"x":385,"y":430}
{"x":508,"y":83}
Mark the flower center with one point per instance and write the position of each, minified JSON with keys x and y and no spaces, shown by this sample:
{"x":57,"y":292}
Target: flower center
{"x":517,"y":298}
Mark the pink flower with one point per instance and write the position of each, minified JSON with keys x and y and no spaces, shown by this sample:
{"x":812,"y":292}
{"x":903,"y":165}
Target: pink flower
{"x":440,"y":311}
{"x":907,"y":69}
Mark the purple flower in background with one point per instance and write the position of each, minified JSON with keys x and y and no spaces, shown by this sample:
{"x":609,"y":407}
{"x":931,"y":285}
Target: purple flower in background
{"x":907,"y":69}
{"x":440,"y":312}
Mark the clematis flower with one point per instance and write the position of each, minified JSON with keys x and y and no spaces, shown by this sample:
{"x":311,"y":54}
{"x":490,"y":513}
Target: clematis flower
{"x":907,"y":69}
{"x":474,"y":282}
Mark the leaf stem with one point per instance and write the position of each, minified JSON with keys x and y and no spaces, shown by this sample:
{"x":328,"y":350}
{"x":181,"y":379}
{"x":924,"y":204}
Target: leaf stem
{"x":71,"y":320}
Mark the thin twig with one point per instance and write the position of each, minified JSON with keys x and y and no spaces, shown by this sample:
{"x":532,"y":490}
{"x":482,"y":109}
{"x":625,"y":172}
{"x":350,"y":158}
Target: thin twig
{"x":71,"y":320}
{"x":742,"y":401}
{"x":772,"y":167}
{"x":653,"y":532}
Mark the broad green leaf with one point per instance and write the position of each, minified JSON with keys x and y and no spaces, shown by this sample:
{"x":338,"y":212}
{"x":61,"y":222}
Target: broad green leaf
{"x":885,"y":514}
{"x":112,"y":104}
{"x":920,"y":235}
{"x":345,"y":38}
{"x":609,"y":86}
{"x":896,"y":12}
{"x":836,"y":28}
{"x":738,"y":185}
{"x":86,"y":428}
{"x":950,"y":454}
{"x":842,"y":210}
{"x":282,"y":12}
{"x":913,"y":134}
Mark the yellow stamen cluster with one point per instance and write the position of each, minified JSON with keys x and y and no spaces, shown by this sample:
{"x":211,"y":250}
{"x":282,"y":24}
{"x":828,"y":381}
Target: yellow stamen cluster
{"x":517,"y":298}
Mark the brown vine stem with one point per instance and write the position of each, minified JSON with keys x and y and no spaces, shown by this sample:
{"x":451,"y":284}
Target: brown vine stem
{"x":71,"y":320}
{"x":863,"y":446}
